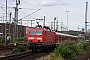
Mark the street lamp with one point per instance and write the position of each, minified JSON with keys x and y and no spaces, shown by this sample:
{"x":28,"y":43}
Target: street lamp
{"x":67,"y":19}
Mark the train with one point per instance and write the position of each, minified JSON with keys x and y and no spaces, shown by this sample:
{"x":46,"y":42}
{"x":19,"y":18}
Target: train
{"x":41,"y":38}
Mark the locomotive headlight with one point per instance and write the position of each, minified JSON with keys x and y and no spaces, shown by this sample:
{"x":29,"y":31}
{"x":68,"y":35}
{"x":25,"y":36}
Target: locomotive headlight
{"x":30,"y":38}
{"x":40,"y":39}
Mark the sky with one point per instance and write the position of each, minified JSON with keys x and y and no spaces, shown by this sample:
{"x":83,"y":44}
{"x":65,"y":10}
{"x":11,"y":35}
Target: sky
{"x":37,"y":9}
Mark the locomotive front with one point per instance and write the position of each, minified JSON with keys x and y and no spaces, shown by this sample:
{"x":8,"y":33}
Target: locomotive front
{"x":34,"y":37}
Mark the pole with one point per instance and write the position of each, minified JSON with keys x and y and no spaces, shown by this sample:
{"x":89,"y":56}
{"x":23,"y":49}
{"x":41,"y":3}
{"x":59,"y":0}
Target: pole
{"x":16,"y":21}
{"x":1,"y":25}
{"x":54,"y":23}
{"x":9,"y":27}
{"x":51,"y":25}
{"x":67,"y":20}
{"x":31,"y":22}
{"x":15,"y":26}
{"x":44,"y":21}
{"x":57,"y":24}
{"x":78,"y":33}
{"x":61,"y":25}
{"x":86,"y":21}
{"x":3,"y":17}
{"x":17,"y":17}
{"x":5,"y":24}
{"x":10,"y":23}
{"x":21,"y":28}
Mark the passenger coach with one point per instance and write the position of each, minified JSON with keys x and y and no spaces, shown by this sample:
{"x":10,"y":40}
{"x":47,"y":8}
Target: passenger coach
{"x":60,"y":37}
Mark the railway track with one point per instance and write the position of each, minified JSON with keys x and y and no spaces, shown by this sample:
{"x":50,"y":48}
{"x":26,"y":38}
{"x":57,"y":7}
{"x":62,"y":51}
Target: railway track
{"x":25,"y":56}
{"x":28,"y":55}
{"x":10,"y":46}
{"x":16,"y":56}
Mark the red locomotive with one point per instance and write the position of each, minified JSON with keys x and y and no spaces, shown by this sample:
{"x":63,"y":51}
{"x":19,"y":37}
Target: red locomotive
{"x":39,"y":38}
{"x":42,"y":38}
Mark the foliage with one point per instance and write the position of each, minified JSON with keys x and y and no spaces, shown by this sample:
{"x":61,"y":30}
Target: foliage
{"x":70,"y":49}
{"x":1,"y":39}
{"x":19,"y":49}
{"x":21,"y":39}
{"x":81,"y":46}
{"x":51,"y":57}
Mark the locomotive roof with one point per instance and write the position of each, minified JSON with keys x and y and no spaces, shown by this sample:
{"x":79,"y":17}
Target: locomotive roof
{"x":62,"y":34}
{"x":40,"y":29}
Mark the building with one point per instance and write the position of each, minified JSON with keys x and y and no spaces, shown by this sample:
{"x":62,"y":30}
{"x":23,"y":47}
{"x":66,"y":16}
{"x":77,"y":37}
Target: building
{"x":10,"y":30}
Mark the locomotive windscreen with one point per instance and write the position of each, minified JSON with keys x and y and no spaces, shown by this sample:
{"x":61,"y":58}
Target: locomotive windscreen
{"x":35,"y":32}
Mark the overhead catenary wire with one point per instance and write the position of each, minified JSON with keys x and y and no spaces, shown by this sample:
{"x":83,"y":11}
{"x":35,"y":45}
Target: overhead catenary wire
{"x":22,"y":12}
{"x":40,"y":8}
{"x":4,"y":10}
{"x":10,"y":2}
{"x":20,"y":8}
{"x":30,"y":14}
{"x":2,"y":4}
{"x":29,"y":9}
{"x":37,"y":9}
{"x":30,"y":4}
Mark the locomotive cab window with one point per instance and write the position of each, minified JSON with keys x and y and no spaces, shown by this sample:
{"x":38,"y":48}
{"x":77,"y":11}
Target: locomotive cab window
{"x":36,"y":32}
{"x":32,"y":32}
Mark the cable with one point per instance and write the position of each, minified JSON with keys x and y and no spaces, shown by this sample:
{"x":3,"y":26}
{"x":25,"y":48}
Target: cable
{"x":9,"y":2}
{"x":2,"y":4}
{"x":37,"y":7}
{"x":47,"y":13}
{"x":30,"y":14}
{"x":23,"y":13}
{"x":30,"y":4}
{"x":28,"y":9}
{"x":3,"y":9}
